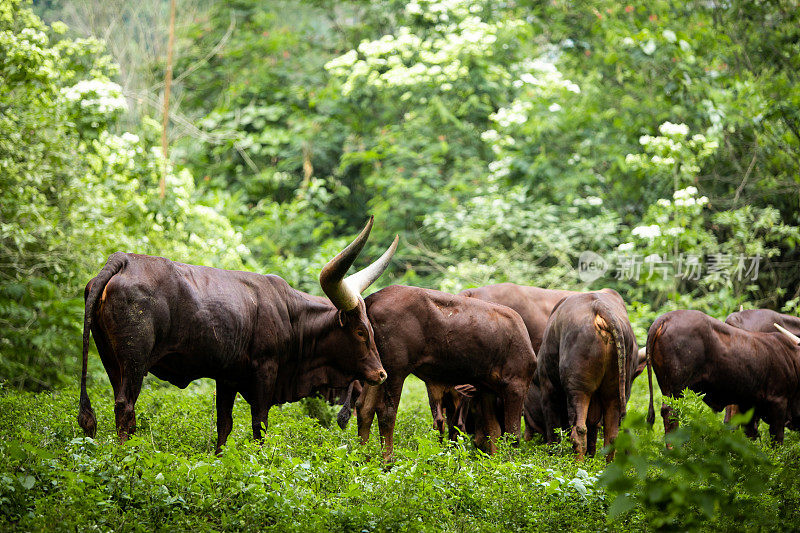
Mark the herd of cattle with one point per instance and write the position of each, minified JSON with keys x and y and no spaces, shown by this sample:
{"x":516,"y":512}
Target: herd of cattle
{"x":489,"y":356}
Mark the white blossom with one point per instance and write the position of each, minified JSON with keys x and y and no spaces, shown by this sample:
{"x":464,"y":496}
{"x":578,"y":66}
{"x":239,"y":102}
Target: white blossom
{"x":668,"y":128}
{"x":102,"y":95}
{"x":647,"y":232}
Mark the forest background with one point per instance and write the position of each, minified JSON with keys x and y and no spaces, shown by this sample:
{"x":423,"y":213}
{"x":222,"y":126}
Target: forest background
{"x":499,"y":139}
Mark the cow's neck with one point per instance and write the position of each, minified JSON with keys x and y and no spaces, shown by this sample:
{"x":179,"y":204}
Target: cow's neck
{"x":303,"y":370}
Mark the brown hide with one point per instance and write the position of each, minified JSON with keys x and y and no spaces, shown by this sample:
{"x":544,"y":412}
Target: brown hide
{"x":587,"y":362}
{"x":252,"y":333}
{"x":689,"y":349}
{"x":445,"y":339}
{"x":762,"y":320}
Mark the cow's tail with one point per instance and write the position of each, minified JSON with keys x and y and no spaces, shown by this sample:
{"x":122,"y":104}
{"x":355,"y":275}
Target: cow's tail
{"x":347,"y":407}
{"x":607,"y":323}
{"x":649,"y":346}
{"x":115,"y":263}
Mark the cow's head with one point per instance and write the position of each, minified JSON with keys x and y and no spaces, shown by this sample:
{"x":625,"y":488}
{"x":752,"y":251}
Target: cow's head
{"x":351,"y":342}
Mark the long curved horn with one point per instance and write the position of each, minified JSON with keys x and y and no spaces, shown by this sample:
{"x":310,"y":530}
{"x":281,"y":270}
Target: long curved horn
{"x":365,"y":277}
{"x":331,"y":278}
{"x":794,"y":338}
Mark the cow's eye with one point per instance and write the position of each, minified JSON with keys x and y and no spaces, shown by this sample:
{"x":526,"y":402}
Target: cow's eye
{"x":361,"y":334}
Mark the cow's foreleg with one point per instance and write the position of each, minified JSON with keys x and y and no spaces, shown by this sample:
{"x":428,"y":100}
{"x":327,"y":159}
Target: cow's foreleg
{"x":486,"y":438}
{"x":259,"y":414}
{"x":591,"y":439}
{"x":366,"y":405}
{"x":387,"y":416}
{"x":226,"y":396}
{"x":261,"y":398}
{"x":776,"y":418}
{"x":513,"y":398}
{"x":551,"y":409}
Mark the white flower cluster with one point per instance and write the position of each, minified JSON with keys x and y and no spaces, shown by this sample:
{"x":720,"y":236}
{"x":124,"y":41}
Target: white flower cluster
{"x":647,"y":232}
{"x":516,"y":113}
{"x":442,"y":10}
{"x":120,"y":150}
{"x":543,"y":73}
{"x":496,"y":140}
{"x":676,"y":130}
{"x":406,"y":59}
{"x":686,"y":197}
{"x":500,"y":168}
{"x":102,"y":96}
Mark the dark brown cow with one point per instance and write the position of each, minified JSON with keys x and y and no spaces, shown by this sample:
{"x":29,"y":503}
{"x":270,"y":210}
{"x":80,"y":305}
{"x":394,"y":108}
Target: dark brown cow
{"x":586,"y":364}
{"x":445,"y":339}
{"x":762,"y":320}
{"x":689,"y":349}
{"x":534,"y":305}
{"x":252,"y":333}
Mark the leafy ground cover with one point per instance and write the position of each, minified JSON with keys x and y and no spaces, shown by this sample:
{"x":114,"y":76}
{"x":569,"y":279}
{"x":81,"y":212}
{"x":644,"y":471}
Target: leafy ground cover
{"x":307,"y":477}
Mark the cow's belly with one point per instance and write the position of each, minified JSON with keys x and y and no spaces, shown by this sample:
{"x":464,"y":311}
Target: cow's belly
{"x":180,"y":370}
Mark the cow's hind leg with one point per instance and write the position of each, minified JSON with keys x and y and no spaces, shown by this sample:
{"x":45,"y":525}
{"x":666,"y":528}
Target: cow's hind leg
{"x":435,"y":400}
{"x":611,"y":418}
{"x":577,"y":409}
{"x":124,"y":403}
{"x":226,"y":396}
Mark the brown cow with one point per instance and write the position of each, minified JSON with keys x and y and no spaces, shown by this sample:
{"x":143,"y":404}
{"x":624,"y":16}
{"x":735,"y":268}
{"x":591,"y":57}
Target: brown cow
{"x":689,"y":349}
{"x":762,"y":320}
{"x":446,"y":339}
{"x":534,"y":305}
{"x":252,"y":333}
{"x":586,"y":364}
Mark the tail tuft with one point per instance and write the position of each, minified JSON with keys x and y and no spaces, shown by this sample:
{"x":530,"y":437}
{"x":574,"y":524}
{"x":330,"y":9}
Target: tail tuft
{"x":344,"y":416}
{"x":86,"y":418}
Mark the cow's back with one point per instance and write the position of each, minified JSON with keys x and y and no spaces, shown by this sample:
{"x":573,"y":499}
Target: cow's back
{"x":433,"y":332}
{"x":572,"y":343}
{"x":202,"y":318}
{"x":691,"y":349}
{"x":533,"y":304}
{"x":763,"y":320}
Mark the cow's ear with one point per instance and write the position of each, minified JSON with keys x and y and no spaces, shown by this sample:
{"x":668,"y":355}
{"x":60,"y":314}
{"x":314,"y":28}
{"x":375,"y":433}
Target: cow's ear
{"x":341,"y":317}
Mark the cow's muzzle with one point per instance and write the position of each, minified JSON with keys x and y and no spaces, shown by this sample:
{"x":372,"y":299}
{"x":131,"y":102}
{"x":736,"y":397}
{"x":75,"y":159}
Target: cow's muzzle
{"x":381,"y":378}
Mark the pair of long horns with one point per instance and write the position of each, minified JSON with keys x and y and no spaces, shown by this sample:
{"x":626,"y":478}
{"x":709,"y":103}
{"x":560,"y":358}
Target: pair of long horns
{"x":794,"y":338}
{"x":343,"y":292}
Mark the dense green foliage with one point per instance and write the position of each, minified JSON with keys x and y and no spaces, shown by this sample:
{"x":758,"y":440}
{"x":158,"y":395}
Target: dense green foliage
{"x":500,"y":140}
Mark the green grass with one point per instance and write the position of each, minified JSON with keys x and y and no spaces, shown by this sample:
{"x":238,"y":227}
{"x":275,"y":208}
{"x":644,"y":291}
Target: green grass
{"x":304,"y":477}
